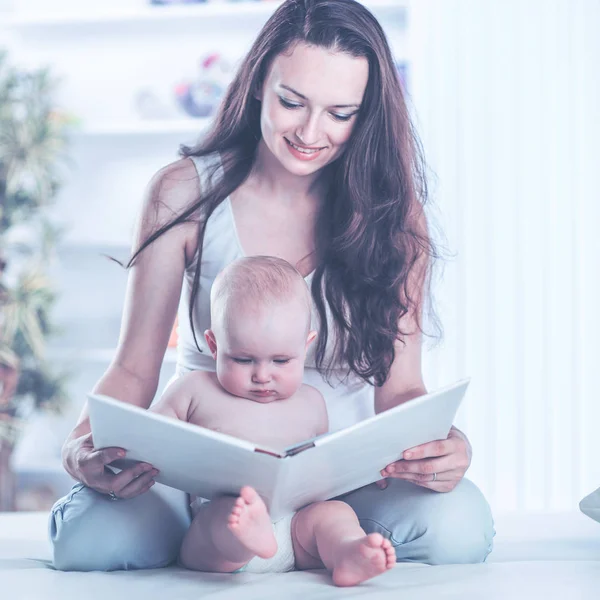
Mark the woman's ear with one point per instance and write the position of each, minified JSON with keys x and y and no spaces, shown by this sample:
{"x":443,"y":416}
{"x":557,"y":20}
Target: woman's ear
{"x":310,"y":338}
{"x":258,"y":92}
{"x":209,"y":336}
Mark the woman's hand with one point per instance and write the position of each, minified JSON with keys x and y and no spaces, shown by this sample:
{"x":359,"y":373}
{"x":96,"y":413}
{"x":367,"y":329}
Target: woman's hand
{"x":438,"y":465}
{"x":89,"y":466}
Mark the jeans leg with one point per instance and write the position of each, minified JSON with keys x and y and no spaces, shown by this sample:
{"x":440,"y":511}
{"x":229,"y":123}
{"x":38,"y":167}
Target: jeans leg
{"x":427,"y":526}
{"x":91,"y":532}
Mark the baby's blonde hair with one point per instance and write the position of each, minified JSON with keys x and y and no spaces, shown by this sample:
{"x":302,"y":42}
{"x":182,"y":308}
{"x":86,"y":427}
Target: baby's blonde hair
{"x":257,"y":282}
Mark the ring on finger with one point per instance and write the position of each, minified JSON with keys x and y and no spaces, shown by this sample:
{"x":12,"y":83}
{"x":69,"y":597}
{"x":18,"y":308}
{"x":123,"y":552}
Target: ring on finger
{"x":112,"y":495}
{"x":434,"y":477}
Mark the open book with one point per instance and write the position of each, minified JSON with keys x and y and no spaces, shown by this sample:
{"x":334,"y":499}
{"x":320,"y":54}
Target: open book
{"x":207,"y":463}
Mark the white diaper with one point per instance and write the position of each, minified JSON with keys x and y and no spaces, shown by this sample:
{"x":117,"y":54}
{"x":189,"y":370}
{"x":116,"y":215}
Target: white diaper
{"x":284,"y":559}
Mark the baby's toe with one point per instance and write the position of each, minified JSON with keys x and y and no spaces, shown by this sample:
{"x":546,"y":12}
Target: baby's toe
{"x":390,"y":559}
{"x":247,"y":495}
{"x":375,"y":540}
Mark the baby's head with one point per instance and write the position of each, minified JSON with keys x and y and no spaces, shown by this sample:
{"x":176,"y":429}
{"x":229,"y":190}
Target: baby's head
{"x":260,"y":309}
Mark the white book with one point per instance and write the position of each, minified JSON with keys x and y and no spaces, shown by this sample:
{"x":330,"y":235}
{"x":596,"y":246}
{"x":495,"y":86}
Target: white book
{"x":207,"y":464}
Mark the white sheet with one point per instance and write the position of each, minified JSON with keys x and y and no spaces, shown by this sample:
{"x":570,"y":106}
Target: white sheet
{"x":536,"y":556}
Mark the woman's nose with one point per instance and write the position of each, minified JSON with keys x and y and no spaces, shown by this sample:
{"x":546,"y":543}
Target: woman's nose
{"x":308,"y":133}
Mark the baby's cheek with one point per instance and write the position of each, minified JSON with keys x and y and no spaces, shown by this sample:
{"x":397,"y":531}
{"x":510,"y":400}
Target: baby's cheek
{"x":295,"y":380}
{"x":228,"y":378}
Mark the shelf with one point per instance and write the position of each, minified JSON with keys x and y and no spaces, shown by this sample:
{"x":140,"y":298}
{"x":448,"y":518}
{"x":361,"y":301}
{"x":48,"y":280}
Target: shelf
{"x":175,"y":14}
{"x":147,"y":14}
{"x":142,"y":127}
{"x":98,"y":355}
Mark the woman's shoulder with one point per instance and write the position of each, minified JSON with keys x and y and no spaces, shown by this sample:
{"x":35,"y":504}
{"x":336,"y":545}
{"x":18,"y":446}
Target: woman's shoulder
{"x":172,"y":190}
{"x":174,"y":187}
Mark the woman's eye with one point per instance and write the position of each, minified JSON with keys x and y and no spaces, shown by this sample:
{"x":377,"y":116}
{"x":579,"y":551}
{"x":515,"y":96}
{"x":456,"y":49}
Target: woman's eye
{"x":242,"y":361}
{"x":338,"y":117}
{"x":287,"y":104}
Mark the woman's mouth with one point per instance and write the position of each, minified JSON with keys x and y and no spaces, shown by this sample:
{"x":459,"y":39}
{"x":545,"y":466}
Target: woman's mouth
{"x":303,"y":153}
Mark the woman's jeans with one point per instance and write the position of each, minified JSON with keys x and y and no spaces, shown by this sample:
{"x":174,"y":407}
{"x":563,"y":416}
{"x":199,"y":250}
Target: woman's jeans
{"x":89,"y":531}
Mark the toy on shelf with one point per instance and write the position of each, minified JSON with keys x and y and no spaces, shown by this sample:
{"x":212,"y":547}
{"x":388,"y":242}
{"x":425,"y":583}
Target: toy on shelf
{"x":200,"y":98}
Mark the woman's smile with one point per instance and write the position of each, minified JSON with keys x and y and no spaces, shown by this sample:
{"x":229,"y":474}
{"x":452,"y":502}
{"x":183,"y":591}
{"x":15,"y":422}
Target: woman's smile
{"x":303,"y":153}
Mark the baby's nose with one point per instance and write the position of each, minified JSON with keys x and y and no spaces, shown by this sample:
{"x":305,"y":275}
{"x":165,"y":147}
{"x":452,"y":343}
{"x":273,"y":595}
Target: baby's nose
{"x":261,"y":375}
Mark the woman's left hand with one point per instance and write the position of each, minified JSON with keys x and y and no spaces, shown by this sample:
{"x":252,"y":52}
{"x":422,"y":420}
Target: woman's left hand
{"x":437,"y":465}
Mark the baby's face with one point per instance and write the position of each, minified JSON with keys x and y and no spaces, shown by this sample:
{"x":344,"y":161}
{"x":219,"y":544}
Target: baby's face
{"x":260,"y":354}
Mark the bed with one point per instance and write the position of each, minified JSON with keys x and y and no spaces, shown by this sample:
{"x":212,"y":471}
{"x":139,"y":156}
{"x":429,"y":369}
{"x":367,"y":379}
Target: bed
{"x":536,"y":555}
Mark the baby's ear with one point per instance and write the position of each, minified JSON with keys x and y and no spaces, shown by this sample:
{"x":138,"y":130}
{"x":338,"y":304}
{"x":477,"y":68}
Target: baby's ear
{"x":310,"y":338}
{"x":209,"y":336}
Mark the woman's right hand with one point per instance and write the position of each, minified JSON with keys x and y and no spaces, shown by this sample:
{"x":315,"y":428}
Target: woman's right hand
{"x":88,"y":465}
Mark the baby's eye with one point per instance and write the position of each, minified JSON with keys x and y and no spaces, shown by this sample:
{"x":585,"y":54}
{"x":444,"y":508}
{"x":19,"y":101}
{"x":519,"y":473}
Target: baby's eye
{"x":287,"y":104}
{"x":281,"y":361}
{"x":242,"y":361}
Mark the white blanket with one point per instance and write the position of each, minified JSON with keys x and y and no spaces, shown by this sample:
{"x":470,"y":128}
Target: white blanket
{"x":549,"y":556}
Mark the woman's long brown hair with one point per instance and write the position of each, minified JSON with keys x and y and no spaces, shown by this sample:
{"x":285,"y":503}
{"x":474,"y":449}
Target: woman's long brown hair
{"x":370,"y":246}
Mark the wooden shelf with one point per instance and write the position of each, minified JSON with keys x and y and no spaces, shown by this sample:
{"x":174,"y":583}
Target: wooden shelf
{"x":146,"y":14}
{"x":142,"y":127}
{"x":104,"y":355}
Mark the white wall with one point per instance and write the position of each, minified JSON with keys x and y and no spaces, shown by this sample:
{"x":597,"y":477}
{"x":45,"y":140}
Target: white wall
{"x":508,"y":98}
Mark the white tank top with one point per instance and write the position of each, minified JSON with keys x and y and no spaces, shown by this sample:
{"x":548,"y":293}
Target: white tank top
{"x":348,"y":400}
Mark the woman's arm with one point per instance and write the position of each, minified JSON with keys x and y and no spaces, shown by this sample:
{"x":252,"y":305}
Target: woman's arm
{"x":152,"y":296}
{"x":405,"y":379}
{"x":437,"y":465}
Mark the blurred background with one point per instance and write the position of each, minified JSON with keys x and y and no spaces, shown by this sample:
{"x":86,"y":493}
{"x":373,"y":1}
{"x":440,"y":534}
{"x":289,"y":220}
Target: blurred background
{"x":505,"y":96}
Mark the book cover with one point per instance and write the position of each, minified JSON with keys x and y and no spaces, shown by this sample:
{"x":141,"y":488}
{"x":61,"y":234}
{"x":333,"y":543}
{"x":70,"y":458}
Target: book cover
{"x":208,"y":463}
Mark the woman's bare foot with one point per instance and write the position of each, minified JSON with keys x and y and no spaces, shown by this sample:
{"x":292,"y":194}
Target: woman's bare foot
{"x":249,"y":521}
{"x":362,"y":559}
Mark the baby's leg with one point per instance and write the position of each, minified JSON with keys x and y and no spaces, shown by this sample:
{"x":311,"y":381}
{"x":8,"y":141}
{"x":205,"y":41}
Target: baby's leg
{"x":229,"y":532}
{"x":328,"y":533}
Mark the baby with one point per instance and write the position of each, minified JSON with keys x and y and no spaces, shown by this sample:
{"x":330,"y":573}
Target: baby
{"x":260,"y":318}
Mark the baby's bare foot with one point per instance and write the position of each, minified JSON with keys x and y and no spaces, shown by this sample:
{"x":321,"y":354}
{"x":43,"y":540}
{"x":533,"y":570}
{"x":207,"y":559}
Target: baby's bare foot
{"x":362,"y":559}
{"x":249,"y":521}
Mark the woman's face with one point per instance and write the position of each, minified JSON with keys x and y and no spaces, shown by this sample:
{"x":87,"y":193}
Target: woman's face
{"x":310,"y":100}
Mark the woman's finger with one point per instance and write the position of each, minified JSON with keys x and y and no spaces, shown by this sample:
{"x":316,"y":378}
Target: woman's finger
{"x":444,"y":482}
{"x":137,"y":486}
{"x":127,"y":476}
{"x":91,"y":465}
{"x":426,"y":478}
{"x":431,"y":449}
{"x":100,"y":458}
{"x":428,"y":465}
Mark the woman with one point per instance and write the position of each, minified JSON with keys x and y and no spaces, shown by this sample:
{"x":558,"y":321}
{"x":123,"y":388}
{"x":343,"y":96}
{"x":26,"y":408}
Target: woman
{"x":311,"y":158}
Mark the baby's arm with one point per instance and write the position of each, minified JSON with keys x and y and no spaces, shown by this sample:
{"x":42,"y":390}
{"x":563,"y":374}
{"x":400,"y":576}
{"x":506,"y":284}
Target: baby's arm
{"x":176,"y":399}
{"x":319,"y":409}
